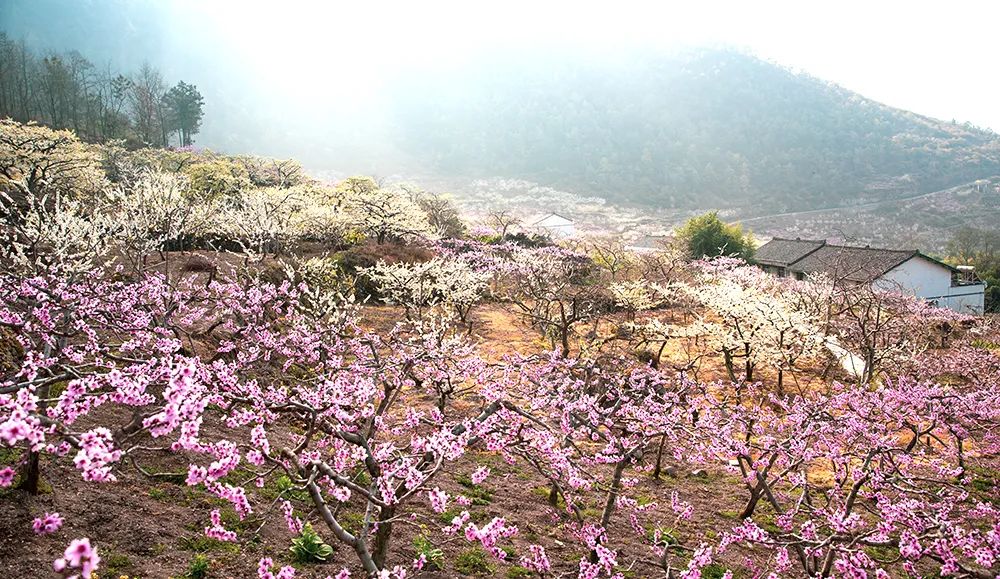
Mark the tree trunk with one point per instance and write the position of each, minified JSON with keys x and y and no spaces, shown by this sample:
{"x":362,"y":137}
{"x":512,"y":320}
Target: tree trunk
{"x":751,"y":505}
{"x":727,"y":356}
{"x":659,"y":457}
{"x":381,"y":546}
{"x":616,"y":483}
{"x":659,"y":356}
{"x":31,"y":474}
{"x":609,"y":505}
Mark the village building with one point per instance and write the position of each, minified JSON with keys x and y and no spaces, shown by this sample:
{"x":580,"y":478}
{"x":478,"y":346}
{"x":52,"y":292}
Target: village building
{"x":648,"y":244}
{"x":909,"y":270}
{"x":554,"y":225}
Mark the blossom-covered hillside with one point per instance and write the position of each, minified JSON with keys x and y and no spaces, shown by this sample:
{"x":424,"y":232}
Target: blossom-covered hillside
{"x":214,"y":366}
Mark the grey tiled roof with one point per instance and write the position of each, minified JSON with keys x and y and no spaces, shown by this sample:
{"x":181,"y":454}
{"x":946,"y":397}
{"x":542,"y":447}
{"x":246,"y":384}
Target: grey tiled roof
{"x":858,"y":264}
{"x":784,"y":252}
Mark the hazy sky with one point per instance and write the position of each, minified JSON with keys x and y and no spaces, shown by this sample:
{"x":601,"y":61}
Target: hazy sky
{"x":280,"y":75}
{"x":935,"y":58}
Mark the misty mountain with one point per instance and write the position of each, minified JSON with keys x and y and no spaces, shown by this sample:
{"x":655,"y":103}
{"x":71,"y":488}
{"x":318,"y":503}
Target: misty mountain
{"x":688,"y":130}
{"x":707,"y":128}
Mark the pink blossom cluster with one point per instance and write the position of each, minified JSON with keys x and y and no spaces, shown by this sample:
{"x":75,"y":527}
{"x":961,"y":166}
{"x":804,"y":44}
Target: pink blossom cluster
{"x":490,"y":535}
{"x":216,"y":530}
{"x":264,"y":570}
{"x":46,"y":524}
{"x":80,"y":556}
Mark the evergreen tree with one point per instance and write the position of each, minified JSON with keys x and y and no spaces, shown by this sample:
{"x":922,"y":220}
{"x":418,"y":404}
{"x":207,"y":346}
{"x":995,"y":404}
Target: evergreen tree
{"x":709,"y":236}
{"x":184,"y":106}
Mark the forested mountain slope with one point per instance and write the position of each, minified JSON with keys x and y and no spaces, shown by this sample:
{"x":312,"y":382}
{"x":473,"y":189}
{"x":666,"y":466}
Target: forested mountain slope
{"x":704,"y":128}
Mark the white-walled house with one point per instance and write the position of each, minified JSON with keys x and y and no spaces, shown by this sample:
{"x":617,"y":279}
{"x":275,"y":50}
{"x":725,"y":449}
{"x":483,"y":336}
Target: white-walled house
{"x":904,"y":270}
{"x":938,"y":283}
{"x":555,"y":225}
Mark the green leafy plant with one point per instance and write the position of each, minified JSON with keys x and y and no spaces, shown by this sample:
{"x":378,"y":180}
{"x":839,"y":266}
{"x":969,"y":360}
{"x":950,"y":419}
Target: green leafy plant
{"x":667,"y":536}
{"x":433,"y":555}
{"x":713,"y":571}
{"x":473,"y":561}
{"x":479,"y":495}
{"x":284,"y":487}
{"x":198,"y":567}
{"x":518,"y":572}
{"x":309,"y":547}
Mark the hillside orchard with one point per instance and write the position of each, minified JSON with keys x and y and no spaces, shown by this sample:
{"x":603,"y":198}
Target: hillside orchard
{"x":324,"y":382}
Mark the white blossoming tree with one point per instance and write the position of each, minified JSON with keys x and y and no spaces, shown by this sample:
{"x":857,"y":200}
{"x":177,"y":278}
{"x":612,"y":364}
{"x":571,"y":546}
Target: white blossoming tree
{"x":52,"y":233}
{"x":756,"y":322}
{"x":421,"y":286}
{"x":155,"y":213}
{"x":635,"y":296}
{"x":262,"y":220}
{"x":386,"y":213}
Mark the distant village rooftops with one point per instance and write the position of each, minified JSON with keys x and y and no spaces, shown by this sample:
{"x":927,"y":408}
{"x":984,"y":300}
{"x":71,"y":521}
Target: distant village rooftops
{"x":648,"y":243}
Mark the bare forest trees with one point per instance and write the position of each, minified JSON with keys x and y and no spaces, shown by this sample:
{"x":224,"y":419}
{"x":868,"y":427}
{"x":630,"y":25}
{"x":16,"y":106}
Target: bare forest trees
{"x":146,"y":100}
{"x":98,"y":103}
{"x":502,"y":221}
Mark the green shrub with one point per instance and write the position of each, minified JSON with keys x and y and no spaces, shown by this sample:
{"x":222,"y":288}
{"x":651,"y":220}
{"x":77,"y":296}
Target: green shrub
{"x":309,"y":547}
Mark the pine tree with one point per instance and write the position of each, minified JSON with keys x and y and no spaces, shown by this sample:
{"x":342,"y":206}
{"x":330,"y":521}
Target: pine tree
{"x":184,"y":106}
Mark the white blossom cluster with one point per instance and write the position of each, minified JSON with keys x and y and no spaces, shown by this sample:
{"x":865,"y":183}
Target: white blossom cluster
{"x":418,"y":286}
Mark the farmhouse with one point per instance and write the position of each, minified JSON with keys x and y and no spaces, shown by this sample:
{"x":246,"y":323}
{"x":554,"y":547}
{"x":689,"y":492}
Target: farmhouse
{"x":555,"y":225}
{"x":905,"y":270}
